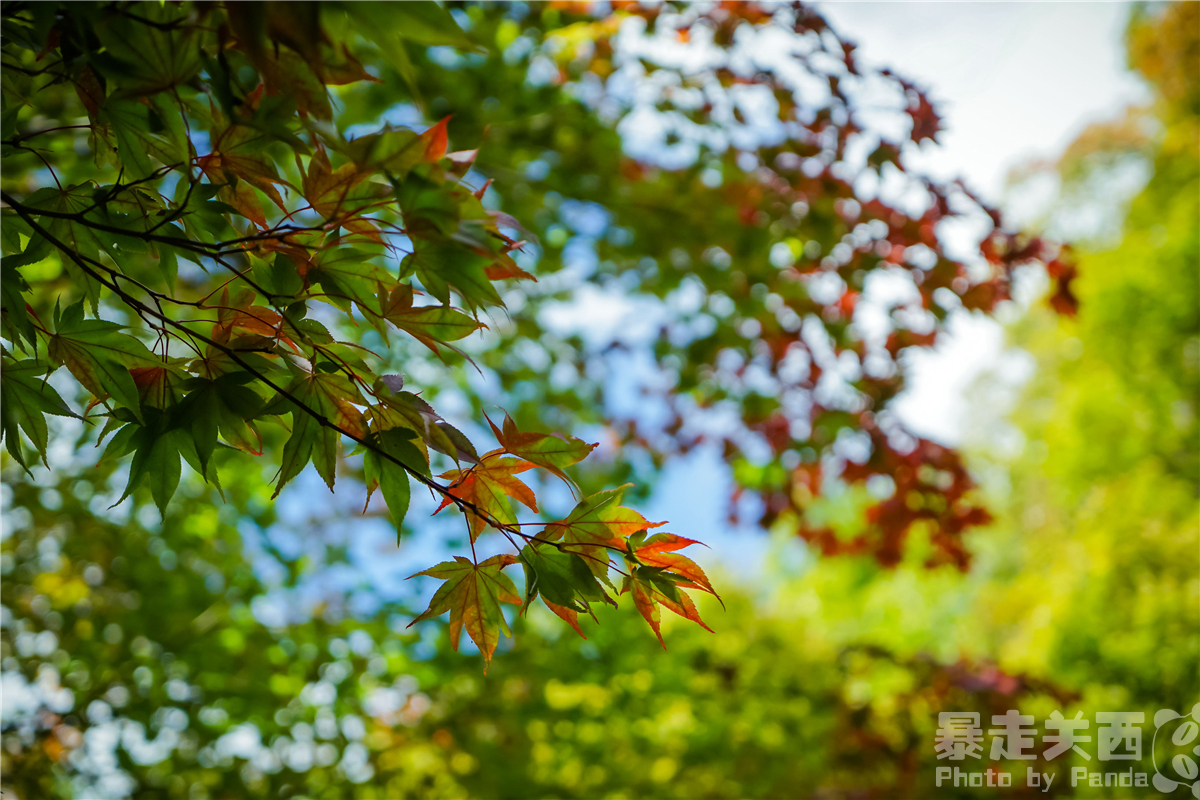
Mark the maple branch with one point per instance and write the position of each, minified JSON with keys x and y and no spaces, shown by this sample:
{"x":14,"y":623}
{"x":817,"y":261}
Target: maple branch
{"x":23,"y":136}
{"x":80,"y":218}
{"x":166,"y":27}
{"x":213,"y":250}
{"x":34,"y":73}
{"x":182,"y":207}
{"x":119,"y":187}
{"x":199,"y":248}
{"x":142,"y":309}
{"x":43,"y":160}
{"x":187,"y":244}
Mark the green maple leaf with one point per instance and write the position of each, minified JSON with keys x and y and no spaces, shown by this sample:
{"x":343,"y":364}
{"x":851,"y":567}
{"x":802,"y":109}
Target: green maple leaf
{"x":442,"y":266}
{"x":331,"y":395}
{"x":81,"y":239}
{"x":398,"y":151}
{"x":472,"y":594}
{"x":405,"y":409}
{"x":25,"y":399}
{"x":391,"y":477}
{"x":564,"y":580}
{"x":226,"y":406}
{"x":136,"y":143}
{"x":99,"y":355}
{"x":145,"y":59}
{"x":430,"y":325}
{"x":17,"y":323}
{"x":347,"y":276}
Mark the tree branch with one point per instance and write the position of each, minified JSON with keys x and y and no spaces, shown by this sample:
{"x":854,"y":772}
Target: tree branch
{"x":143,"y":309}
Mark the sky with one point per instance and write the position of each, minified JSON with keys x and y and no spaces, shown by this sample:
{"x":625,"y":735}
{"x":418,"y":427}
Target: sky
{"x":1015,"y":81}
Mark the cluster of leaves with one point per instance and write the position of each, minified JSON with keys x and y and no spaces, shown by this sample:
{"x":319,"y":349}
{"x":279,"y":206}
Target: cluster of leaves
{"x":213,"y":153}
{"x":567,"y":564}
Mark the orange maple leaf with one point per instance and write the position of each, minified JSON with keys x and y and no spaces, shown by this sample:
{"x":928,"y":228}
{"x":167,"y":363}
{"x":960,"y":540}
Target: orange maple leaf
{"x":487,"y":486}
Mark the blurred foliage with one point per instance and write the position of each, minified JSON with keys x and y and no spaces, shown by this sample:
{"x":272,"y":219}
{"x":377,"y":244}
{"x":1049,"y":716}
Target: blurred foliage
{"x":724,"y":182}
{"x":135,"y":664}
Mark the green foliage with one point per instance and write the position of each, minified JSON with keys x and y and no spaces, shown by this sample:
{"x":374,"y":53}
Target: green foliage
{"x":1109,"y":480}
{"x":142,"y":626}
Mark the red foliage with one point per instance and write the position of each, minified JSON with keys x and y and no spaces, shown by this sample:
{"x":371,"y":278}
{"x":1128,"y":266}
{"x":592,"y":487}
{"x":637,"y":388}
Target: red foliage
{"x":808,"y":187}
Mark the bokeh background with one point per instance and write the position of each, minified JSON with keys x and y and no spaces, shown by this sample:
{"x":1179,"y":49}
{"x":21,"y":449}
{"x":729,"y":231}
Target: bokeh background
{"x":251,"y":648}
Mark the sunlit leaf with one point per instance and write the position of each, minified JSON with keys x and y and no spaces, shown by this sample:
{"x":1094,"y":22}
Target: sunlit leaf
{"x":472,"y":594}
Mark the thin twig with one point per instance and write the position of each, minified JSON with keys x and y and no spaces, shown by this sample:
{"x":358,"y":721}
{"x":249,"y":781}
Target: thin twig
{"x":142,"y":309}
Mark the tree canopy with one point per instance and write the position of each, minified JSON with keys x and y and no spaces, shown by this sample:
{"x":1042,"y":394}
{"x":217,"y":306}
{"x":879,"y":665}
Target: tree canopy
{"x":259,"y":236}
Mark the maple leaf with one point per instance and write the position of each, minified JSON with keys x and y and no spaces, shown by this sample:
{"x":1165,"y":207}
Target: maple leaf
{"x":79,"y":237}
{"x":435,"y":141}
{"x":343,"y":194}
{"x":658,"y":551}
{"x":25,"y":399}
{"x":131,"y":124}
{"x":657,"y":576}
{"x":14,"y":313}
{"x":504,"y":267}
{"x":158,"y":445}
{"x":652,"y":587}
{"x":331,"y":395}
{"x":238,"y":313}
{"x":598,"y":524}
{"x":380,"y":467}
{"x":399,"y":408}
{"x":550,"y":451}
{"x":564,"y":580}
{"x":398,"y":151}
{"x":1063,"y":271}
{"x":237,"y":153}
{"x":159,"y":386}
{"x":150,"y":58}
{"x":99,"y":355}
{"x":568,"y":615}
{"x":292,"y":75}
{"x":300,"y":256}
{"x":226,"y":406}
{"x":156,"y":459}
{"x":428,"y":324}
{"x":487,"y":486}
{"x":442,"y":266}
{"x":343,"y":68}
{"x":461,"y":162}
{"x":347,"y":276}
{"x":472,"y":594}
